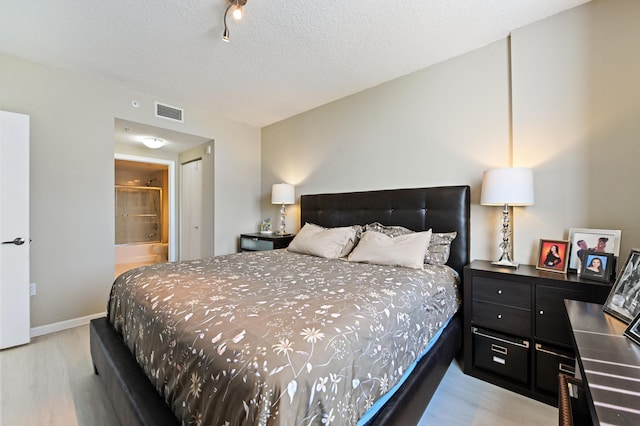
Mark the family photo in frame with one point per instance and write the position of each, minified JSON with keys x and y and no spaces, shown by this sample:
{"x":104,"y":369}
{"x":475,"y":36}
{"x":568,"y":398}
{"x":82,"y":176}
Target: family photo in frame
{"x":553,"y":255}
{"x":599,"y":240}
{"x":624,"y":299}
{"x":633,"y":331}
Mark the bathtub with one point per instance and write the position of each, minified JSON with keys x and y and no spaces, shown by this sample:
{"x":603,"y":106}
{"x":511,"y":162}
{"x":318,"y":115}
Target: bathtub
{"x":129,"y":256}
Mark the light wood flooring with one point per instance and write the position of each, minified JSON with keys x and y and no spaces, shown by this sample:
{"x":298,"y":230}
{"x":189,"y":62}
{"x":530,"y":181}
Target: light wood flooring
{"x":51,"y":382}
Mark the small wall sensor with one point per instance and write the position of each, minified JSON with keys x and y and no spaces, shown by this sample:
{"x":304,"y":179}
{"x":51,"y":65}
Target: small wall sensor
{"x":135,"y":104}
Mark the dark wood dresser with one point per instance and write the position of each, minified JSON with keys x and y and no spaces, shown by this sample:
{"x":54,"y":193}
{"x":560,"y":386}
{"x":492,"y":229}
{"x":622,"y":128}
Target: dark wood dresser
{"x":516,"y":334}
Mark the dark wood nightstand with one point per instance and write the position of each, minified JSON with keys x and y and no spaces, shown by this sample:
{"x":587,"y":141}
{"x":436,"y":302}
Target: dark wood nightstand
{"x":516,"y":333}
{"x":261,"y":242}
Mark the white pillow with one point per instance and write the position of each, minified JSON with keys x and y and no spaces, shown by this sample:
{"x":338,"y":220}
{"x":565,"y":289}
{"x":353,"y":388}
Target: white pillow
{"x":404,"y":250}
{"x":330,"y":243}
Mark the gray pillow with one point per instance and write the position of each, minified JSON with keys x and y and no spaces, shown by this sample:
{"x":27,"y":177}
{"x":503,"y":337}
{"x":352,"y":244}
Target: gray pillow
{"x":389,"y":231}
{"x":439,"y":248}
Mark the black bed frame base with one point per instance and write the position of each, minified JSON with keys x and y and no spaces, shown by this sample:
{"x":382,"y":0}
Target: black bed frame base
{"x":135,"y":400}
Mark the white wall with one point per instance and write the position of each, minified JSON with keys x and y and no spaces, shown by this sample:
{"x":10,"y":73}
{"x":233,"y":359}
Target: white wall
{"x":443,"y":125}
{"x":72,"y":177}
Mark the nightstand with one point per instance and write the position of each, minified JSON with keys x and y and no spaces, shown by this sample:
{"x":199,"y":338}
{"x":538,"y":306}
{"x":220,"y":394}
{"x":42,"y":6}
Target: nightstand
{"x":261,"y":242}
{"x":516,"y":332}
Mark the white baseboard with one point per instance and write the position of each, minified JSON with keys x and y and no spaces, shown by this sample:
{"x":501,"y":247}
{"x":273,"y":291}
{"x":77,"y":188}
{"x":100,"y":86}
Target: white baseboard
{"x":64,"y":325}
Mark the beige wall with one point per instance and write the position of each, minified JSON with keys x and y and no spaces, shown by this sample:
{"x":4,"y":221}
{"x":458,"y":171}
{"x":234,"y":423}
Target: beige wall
{"x":72,"y":176}
{"x":576,"y":121}
{"x":443,"y":125}
{"x":576,"y":115}
{"x":440,"y":126}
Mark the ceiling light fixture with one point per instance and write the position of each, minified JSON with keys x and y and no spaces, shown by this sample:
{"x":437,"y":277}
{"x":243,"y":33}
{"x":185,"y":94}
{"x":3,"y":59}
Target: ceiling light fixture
{"x":237,"y":14}
{"x":153,"y":143}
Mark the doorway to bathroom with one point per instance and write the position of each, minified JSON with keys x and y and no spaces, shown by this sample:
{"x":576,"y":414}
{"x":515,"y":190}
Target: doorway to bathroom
{"x":143,"y":214}
{"x":147,"y":169}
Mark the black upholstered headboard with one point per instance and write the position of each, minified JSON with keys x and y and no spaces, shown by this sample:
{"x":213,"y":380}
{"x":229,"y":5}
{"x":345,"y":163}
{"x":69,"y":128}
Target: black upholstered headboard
{"x":443,"y":209}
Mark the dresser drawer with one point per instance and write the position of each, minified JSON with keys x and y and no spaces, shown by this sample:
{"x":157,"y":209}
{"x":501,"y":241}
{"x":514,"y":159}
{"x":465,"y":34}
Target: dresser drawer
{"x":500,"y":354}
{"x":550,"y":362}
{"x":508,"y":293}
{"x":248,"y":243}
{"x":499,"y":317}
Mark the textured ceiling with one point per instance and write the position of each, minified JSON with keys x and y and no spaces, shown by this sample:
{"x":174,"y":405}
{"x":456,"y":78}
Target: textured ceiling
{"x":284,"y":57}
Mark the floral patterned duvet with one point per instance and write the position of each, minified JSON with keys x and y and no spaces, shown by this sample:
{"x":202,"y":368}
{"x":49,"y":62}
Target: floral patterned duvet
{"x":278,"y":338}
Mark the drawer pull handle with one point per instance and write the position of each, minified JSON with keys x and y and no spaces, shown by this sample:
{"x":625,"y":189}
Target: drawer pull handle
{"x":499,"y":291}
{"x":499,"y":349}
{"x":522,"y":344}
{"x":499,"y":360}
{"x":499,"y":316}
{"x":539,"y":348}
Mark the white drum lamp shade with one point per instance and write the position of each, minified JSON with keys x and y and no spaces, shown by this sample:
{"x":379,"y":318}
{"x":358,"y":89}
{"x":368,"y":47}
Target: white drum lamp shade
{"x":282,"y":193}
{"x":511,"y":186}
{"x":507,"y":187}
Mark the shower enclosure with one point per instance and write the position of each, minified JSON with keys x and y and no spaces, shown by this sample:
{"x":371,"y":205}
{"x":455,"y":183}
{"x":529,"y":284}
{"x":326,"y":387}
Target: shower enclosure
{"x":138,"y":214}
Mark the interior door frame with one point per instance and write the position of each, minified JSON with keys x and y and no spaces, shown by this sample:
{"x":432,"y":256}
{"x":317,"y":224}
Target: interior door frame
{"x":173,"y":237}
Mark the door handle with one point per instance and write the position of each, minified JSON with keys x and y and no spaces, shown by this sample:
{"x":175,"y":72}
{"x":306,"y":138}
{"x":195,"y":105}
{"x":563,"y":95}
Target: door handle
{"x":17,"y":241}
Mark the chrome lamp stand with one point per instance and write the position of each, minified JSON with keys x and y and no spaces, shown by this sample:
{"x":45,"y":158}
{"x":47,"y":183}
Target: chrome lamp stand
{"x":282,"y":231}
{"x":505,"y":245}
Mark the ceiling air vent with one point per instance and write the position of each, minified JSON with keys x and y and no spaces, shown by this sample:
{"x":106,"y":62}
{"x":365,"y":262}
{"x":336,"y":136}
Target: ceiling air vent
{"x":169,"y":112}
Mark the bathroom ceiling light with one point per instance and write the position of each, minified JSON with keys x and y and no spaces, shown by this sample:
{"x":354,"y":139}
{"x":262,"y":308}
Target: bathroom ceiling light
{"x":153,"y":143}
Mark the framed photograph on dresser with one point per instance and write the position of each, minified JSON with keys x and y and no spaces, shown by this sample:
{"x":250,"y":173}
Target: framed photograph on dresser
{"x":601,"y":240}
{"x":596,"y":266}
{"x":553,"y":256}
{"x":633,"y":331}
{"x":624,"y":299}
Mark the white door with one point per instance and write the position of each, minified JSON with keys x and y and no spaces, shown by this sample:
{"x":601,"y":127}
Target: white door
{"x":14,"y":229}
{"x":191,"y":211}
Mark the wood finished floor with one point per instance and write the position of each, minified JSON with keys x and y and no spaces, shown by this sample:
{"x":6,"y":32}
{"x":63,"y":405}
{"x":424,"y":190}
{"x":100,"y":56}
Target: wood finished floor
{"x":51,"y":382}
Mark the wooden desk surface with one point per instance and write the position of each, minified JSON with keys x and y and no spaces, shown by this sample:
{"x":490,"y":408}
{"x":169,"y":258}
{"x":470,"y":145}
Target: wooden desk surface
{"x":609,"y":364}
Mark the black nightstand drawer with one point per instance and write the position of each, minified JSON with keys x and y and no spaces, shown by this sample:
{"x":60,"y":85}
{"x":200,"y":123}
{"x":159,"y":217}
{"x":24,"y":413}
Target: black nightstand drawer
{"x":262,"y":242}
{"x":509,"y":293}
{"x":500,"y":317}
{"x":550,"y":362}
{"x":500,"y":354}
{"x":255,"y":244}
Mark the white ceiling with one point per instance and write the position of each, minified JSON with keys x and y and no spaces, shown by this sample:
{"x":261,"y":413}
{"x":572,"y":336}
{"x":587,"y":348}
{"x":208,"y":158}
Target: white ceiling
{"x":284,"y":57}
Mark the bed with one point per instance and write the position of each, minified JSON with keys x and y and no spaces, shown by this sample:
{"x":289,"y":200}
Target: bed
{"x":443,"y":209}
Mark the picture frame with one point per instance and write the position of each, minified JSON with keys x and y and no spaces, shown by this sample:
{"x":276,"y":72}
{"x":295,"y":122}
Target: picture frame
{"x":623,"y":301}
{"x":633,"y":330}
{"x":553,"y":256}
{"x":596,"y":266}
{"x":581,"y":239}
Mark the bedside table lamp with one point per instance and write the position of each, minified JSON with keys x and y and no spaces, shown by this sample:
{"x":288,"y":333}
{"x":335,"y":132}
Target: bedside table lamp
{"x":507,"y":187}
{"x":282,"y":193}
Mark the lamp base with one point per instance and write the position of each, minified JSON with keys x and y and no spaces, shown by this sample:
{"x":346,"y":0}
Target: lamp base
{"x":506,"y":263}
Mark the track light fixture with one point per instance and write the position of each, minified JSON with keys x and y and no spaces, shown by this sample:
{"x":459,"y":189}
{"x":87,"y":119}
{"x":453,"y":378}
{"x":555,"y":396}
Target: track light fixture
{"x":237,"y":14}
